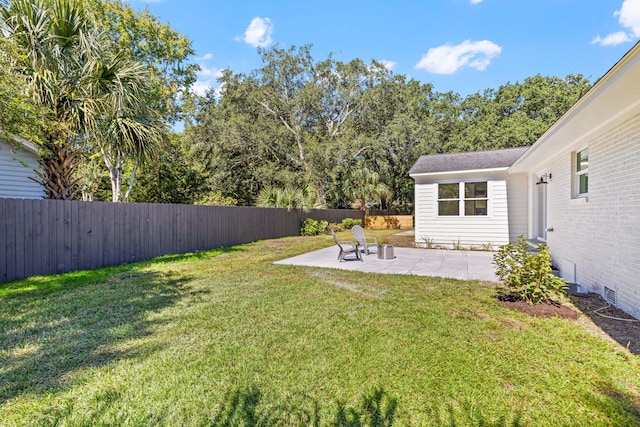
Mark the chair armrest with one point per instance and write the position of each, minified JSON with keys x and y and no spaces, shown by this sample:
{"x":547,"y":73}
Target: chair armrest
{"x":374,"y":239}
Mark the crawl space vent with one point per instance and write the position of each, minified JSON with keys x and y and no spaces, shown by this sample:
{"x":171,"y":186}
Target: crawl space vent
{"x":610,"y":295}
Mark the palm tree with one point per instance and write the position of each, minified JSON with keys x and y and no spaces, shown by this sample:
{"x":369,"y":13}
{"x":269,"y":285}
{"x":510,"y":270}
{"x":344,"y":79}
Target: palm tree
{"x":56,"y":42}
{"x":363,"y":184}
{"x":93,"y":92}
{"x":290,"y":197}
{"x":121,"y":124}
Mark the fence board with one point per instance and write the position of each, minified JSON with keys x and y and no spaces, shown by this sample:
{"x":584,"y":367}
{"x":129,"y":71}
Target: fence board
{"x":57,"y":245}
{"x":119,"y":247}
{"x":27,"y":220}
{"x":97,"y":236}
{"x":3,"y":239}
{"x":7,"y":250}
{"x":106,"y":255}
{"x":48,"y":219}
{"x":52,"y":236}
{"x":84,"y":231}
{"x":74,"y":230}
{"x":19,"y":219}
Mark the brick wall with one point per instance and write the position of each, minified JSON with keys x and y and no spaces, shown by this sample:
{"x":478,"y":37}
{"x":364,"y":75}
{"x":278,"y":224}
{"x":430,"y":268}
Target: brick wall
{"x":600,"y":234}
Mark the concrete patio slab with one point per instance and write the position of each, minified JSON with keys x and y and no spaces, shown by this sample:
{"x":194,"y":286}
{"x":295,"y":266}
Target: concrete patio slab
{"x":464,"y":265}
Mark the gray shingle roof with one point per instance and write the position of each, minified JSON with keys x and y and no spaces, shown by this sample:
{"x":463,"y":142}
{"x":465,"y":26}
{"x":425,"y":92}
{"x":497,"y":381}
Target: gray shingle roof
{"x":472,"y":160}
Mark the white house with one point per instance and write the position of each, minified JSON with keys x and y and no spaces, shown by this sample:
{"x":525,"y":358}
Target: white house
{"x":579,"y":186}
{"x":17,"y":163}
{"x":469,"y":199}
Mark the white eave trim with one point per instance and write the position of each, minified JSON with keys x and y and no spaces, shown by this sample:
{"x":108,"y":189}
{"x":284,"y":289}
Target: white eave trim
{"x":23,"y":142}
{"x":533,"y":156}
{"x":27,"y":144}
{"x":468,"y":171}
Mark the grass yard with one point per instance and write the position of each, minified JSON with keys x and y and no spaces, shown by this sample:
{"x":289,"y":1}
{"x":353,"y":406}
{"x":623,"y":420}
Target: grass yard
{"x":226,"y":338}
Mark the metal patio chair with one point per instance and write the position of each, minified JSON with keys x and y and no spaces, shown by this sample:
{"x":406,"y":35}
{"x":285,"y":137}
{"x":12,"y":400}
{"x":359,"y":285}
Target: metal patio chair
{"x":347,"y":248}
{"x":367,"y":243}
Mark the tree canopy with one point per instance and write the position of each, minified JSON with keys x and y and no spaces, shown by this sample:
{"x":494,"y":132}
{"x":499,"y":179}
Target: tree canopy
{"x":99,"y":80}
{"x":297,"y":122}
{"x":107,"y":78}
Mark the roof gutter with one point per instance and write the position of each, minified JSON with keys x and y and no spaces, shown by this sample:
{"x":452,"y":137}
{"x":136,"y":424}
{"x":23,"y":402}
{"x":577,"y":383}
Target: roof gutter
{"x":26,"y":144}
{"x":596,"y":90}
{"x":425,"y":174}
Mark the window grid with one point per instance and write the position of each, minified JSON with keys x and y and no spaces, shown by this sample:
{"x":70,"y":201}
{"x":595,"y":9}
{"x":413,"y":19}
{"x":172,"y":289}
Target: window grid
{"x":582,"y":172}
{"x":449,"y":199}
{"x":463,"y":199}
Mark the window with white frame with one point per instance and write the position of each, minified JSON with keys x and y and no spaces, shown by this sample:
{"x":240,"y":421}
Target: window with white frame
{"x":581,"y":171}
{"x":449,"y":199}
{"x":463,"y":199}
{"x":475,"y":198}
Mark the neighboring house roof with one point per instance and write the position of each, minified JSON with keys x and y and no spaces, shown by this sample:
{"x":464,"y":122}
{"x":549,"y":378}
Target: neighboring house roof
{"x":26,"y":144}
{"x":467,"y":161}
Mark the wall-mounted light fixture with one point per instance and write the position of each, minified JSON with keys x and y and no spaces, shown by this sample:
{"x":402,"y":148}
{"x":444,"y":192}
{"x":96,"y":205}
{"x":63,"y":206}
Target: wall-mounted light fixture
{"x":544,"y":179}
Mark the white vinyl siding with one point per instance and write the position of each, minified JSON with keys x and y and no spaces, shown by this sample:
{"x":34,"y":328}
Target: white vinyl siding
{"x":475,"y":230}
{"x":517,"y":210}
{"x":16,"y":166}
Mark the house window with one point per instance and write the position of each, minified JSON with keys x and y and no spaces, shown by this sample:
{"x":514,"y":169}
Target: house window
{"x":449,"y":199}
{"x":463,"y":198}
{"x":582,"y":172}
{"x":475,"y":198}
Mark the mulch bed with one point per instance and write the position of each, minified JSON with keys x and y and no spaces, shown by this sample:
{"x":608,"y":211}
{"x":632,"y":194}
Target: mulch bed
{"x":544,"y":309}
{"x":625,"y":333}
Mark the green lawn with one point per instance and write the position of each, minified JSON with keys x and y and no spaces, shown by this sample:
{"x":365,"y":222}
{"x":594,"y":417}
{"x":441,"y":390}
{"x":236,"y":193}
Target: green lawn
{"x":227,"y":338}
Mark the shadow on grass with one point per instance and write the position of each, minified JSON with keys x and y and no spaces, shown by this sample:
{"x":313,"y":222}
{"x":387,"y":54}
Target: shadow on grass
{"x":625,"y":333}
{"x":57,"y":328}
{"x":617,"y":403}
{"x":249,"y":407}
{"x":377,"y":409}
{"x":477,"y":419}
{"x":41,"y":285}
{"x":194,"y":256}
{"x":244,"y":407}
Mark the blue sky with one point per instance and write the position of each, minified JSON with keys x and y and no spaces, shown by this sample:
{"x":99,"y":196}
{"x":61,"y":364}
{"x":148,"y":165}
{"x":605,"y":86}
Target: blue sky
{"x":464,"y":46}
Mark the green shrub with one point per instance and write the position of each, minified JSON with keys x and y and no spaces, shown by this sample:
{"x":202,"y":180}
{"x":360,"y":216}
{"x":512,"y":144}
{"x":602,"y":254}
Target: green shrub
{"x":311,"y":227}
{"x":216,"y":198}
{"x":336,"y":227}
{"x":525,"y":275}
{"x":348,"y":223}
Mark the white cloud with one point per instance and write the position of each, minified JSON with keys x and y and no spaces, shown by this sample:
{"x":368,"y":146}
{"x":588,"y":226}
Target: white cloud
{"x":258,"y":33}
{"x":475,"y":1}
{"x":447,"y":59}
{"x":206,"y":57}
{"x":207,"y":79}
{"x":612,"y":39}
{"x":629,"y":18}
{"x":388,"y":64}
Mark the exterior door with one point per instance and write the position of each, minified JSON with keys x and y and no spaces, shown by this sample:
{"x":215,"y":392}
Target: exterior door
{"x":541,"y":212}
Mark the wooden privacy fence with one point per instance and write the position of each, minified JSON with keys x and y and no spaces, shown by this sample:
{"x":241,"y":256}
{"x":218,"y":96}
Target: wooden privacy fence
{"x":39,"y":237}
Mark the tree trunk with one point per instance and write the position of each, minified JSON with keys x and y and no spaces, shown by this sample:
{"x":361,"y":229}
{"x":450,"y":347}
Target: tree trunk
{"x":131,"y":178}
{"x":58,"y":169}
